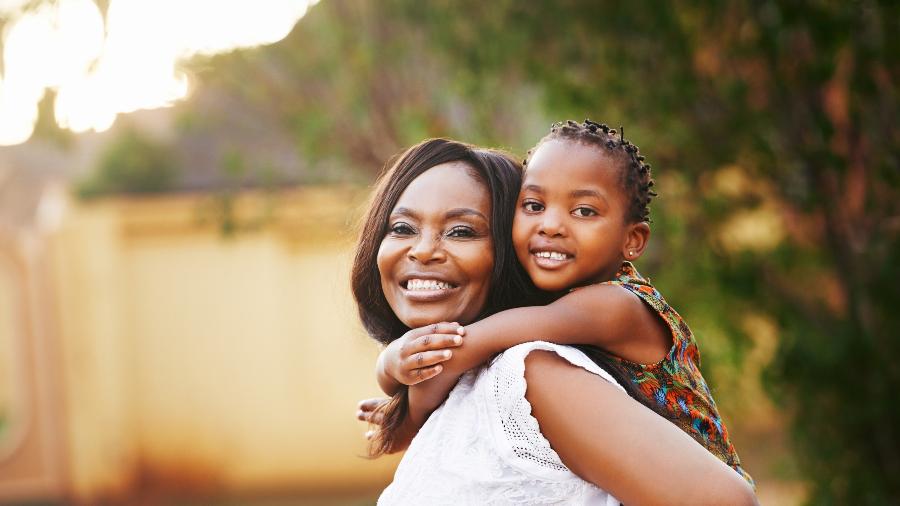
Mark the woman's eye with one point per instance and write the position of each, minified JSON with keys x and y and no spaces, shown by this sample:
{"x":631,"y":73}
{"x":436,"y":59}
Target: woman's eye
{"x":584,"y":212}
{"x":461,"y":232}
{"x":532,"y":207}
{"x":402,"y":229}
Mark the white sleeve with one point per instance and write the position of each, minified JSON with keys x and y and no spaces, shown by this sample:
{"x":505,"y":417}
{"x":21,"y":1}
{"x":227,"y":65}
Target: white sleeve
{"x":515,"y":431}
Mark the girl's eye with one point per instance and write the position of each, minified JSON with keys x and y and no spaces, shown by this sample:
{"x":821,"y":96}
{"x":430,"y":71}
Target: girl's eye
{"x":584,"y":212}
{"x":461,"y":232}
{"x":402,"y":229}
{"x":532,"y":206}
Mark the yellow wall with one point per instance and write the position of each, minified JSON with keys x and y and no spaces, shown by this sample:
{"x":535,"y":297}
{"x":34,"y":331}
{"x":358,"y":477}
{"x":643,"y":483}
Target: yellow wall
{"x":207,"y":361}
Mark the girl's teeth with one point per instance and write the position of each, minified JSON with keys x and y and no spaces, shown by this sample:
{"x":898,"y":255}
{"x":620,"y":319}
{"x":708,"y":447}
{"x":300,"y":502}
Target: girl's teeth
{"x":555,"y":255}
{"x":426,"y":284}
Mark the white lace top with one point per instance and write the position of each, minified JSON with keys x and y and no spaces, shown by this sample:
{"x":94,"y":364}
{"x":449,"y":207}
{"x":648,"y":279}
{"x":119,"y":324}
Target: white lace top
{"x":482,"y":446}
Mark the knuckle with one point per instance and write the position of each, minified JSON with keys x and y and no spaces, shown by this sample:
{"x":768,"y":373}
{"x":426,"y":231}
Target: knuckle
{"x":426,"y":340}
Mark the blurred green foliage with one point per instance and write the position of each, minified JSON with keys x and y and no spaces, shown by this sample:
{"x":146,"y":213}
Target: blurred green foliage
{"x":772,"y":128}
{"x":132,"y":163}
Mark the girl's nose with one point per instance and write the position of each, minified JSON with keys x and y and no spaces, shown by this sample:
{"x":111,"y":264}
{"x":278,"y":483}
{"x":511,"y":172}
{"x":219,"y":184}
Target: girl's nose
{"x":427,"y":249}
{"x":551,"y":225}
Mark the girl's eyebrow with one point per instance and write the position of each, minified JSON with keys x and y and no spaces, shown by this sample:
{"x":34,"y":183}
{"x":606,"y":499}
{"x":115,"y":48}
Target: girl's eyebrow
{"x":586,"y":193}
{"x":533,"y":188}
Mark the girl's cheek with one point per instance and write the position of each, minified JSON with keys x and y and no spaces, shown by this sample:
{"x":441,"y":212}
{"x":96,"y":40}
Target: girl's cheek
{"x":519,"y":233}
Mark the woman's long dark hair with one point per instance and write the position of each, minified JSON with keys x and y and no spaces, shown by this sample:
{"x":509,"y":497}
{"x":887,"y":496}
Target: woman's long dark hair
{"x":509,"y":286}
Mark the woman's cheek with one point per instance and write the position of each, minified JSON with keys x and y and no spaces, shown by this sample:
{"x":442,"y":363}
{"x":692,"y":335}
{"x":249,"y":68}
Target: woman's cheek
{"x":483,"y":272}
{"x":386,"y":262}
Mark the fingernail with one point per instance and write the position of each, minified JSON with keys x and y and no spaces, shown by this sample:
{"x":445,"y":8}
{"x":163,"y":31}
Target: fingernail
{"x":457,"y":339}
{"x":446,"y":353}
{"x":461,"y":330}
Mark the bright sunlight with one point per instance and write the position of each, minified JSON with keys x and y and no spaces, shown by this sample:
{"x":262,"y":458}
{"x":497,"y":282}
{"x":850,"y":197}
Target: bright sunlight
{"x":99,"y":71}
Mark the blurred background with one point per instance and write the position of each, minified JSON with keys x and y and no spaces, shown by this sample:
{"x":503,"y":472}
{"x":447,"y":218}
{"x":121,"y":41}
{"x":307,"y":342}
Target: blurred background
{"x":180,"y":184}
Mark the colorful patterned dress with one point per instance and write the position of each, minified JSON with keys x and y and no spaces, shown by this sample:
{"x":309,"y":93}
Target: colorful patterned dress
{"x":674,"y":385}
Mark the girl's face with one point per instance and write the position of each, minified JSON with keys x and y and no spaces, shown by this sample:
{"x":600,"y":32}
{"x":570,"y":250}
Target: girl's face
{"x":570,"y":228}
{"x":437,"y":257}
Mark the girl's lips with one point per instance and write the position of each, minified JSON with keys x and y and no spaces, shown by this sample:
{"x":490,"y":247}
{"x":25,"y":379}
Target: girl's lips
{"x":550,"y":263}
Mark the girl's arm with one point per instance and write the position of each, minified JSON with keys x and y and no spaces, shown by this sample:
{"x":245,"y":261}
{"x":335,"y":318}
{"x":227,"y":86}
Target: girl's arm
{"x":611,"y":440}
{"x":606,"y":316}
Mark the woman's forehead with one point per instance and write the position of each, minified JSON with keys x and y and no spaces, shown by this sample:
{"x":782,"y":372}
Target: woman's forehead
{"x":446,"y":186}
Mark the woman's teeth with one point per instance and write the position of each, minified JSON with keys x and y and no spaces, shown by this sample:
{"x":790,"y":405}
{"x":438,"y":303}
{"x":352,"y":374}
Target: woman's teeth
{"x":553,"y":255}
{"x":426,"y":284}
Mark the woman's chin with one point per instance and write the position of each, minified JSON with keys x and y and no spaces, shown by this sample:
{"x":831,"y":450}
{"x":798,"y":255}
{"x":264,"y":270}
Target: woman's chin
{"x":421,"y":317}
{"x":462,"y":309}
{"x":423,"y":320}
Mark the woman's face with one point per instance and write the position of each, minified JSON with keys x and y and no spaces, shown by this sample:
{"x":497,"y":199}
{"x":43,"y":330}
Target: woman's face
{"x":437,"y":257}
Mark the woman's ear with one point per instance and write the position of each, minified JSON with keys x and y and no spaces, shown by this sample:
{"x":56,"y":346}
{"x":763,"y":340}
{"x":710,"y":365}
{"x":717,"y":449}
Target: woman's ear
{"x":636,"y":240}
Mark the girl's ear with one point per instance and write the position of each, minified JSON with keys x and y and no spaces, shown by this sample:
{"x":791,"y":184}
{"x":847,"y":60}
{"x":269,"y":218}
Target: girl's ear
{"x":636,"y":240}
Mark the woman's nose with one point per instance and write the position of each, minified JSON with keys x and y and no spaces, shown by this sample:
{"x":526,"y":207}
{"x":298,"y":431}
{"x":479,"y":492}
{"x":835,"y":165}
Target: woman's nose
{"x":427,"y":249}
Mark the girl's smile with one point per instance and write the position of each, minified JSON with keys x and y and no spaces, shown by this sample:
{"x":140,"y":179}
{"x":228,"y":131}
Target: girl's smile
{"x":550,"y":256}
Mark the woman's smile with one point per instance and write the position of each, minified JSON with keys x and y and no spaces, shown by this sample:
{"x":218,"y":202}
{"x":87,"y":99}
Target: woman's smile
{"x":425,"y":287}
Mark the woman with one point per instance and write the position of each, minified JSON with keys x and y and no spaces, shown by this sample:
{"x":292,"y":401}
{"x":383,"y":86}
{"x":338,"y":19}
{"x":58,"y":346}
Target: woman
{"x":436,"y":247}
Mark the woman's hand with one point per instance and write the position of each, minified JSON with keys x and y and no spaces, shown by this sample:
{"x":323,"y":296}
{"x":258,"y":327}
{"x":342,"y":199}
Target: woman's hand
{"x":417,"y":355}
{"x":367,"y":412}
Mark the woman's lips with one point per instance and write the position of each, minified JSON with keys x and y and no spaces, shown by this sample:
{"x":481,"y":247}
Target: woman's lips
{"x":427,"y":290}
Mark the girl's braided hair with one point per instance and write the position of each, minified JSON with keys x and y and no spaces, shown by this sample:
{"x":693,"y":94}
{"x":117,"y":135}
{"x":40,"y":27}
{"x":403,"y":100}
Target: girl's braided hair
{"x":636,"y":178}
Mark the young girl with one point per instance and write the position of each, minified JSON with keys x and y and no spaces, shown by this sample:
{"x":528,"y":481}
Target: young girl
{"x":582,"y":218}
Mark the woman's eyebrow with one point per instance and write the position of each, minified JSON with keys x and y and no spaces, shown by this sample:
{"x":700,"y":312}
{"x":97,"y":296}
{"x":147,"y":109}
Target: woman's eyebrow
{"x":533,"y":188}
{"x":404,"y":211}
{"x":464,"y":211}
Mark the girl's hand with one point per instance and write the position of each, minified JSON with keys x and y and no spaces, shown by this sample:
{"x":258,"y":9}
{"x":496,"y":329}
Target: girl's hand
{"x":417,"y":355}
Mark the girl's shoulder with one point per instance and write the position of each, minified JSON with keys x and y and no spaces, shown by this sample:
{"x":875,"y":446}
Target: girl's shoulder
{"x":684,"y":346}
{"x":629,"y":278}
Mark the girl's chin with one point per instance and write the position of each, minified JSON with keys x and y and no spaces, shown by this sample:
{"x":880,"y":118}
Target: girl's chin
{"x":552,"y":285}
